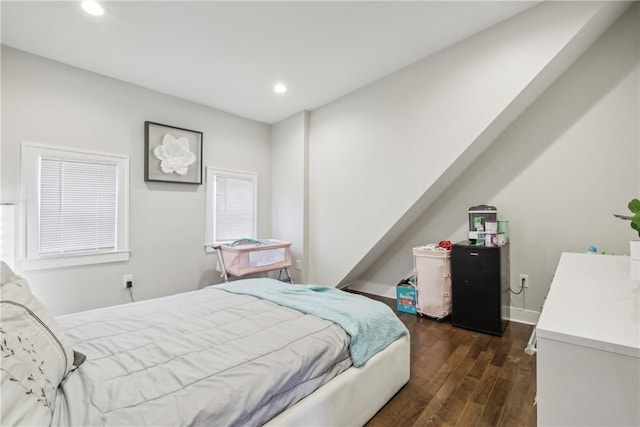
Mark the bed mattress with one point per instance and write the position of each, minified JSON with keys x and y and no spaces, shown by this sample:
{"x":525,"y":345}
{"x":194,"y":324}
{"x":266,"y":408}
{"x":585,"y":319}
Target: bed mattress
{"x":220,"y":358}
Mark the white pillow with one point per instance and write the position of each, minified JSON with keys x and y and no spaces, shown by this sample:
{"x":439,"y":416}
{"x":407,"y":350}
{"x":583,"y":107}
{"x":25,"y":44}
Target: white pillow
{"x":6,"y":274}
{"x":35,"y":356}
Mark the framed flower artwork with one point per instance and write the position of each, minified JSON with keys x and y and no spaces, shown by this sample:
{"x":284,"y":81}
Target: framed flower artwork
{"x":172,"y":154}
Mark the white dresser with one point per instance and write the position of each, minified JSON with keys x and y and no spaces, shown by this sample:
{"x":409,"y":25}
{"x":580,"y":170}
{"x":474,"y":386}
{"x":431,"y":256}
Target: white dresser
{"x":588,"y":362}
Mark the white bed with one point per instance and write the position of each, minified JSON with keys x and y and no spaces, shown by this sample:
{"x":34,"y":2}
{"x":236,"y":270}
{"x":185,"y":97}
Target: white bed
{"x":133,"y":377}
{"x":353,"y":397}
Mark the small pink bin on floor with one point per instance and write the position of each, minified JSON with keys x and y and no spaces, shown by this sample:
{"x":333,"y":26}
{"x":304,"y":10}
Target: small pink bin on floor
{"x":251,"y":256}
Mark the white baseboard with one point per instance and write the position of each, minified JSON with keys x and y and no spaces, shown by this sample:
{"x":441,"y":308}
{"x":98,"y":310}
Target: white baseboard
{"x":379,"y":289}
{"x":518,"y":315}
{"x":521,"y":315}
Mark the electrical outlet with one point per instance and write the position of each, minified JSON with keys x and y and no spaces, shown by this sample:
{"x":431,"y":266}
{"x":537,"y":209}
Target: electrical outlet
{"x":524,"y":280}
{"x":127,"y":281}
{"x":298,"y":264}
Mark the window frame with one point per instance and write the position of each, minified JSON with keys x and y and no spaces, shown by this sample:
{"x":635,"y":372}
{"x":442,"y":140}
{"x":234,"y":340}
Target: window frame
{"x":31,"y":259}
{"x":211,"y":174}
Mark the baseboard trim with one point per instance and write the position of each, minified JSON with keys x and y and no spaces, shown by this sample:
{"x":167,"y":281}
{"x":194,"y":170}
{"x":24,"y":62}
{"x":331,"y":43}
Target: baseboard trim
{"x":518,"y":315}
{"x":379,"y":289}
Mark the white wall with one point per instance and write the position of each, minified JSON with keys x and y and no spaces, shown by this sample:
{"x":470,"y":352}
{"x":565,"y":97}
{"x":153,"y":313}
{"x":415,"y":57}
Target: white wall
{"x":381,"y":155}
{"x":558,"y":173}
{"x":289,"y":151}
{"x":48,"y":102}
{"x":368,"y":155}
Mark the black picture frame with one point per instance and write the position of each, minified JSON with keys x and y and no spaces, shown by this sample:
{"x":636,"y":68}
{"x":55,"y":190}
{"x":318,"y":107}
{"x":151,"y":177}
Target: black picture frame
{"x":172,"y":154}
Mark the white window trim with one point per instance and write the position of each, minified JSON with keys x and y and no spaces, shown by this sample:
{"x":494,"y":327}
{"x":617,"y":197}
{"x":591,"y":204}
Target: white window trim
{"x":30,"y":259}
{"x":211,"y":173}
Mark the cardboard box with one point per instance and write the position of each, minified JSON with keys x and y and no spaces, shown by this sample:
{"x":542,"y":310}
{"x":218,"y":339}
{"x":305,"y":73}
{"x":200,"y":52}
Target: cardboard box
{"x":406,"y":297}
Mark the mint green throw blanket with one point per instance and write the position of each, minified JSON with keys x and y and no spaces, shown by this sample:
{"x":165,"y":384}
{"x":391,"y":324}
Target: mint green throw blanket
{"x":371,"y":324}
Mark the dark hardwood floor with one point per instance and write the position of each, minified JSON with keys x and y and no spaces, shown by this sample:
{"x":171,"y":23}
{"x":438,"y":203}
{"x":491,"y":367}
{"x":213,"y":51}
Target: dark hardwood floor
{"x":463,"y":378}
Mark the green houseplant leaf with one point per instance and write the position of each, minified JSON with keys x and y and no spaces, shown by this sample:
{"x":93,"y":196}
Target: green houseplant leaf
{"x":634,"y":207}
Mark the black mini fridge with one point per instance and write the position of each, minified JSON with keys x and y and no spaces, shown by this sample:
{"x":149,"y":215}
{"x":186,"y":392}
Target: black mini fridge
{"x":480,"y":287}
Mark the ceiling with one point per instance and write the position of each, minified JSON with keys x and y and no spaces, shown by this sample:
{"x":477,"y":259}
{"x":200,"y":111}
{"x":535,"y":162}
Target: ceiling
{"x":228,"y":55}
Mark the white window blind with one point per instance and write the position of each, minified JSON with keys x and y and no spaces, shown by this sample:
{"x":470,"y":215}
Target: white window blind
{"x":78,"y":206}
{"x":235,"y":209}
{"x":231,"y":205}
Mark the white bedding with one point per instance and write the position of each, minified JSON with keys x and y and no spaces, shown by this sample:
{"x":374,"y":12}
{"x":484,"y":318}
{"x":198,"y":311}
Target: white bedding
{"x":175,"y":361}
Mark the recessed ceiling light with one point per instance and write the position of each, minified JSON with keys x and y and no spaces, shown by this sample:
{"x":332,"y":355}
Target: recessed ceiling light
{"x":280,"y":88}
{"x":92,"y":7}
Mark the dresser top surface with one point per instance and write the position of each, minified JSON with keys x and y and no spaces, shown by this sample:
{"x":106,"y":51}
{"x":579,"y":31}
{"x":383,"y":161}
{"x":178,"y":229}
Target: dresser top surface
{"x":594,"y":303}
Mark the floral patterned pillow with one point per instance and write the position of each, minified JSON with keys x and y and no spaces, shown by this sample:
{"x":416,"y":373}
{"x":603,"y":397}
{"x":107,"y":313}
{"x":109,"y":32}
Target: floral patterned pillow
{"x":35,"y":356}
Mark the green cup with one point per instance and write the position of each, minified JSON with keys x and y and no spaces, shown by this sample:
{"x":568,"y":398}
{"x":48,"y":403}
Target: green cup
{"x":503,"y":227}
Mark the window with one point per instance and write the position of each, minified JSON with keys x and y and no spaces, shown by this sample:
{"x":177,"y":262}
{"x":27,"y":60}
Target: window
{"x":231,"y":205}
{"x":76,"y":207}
